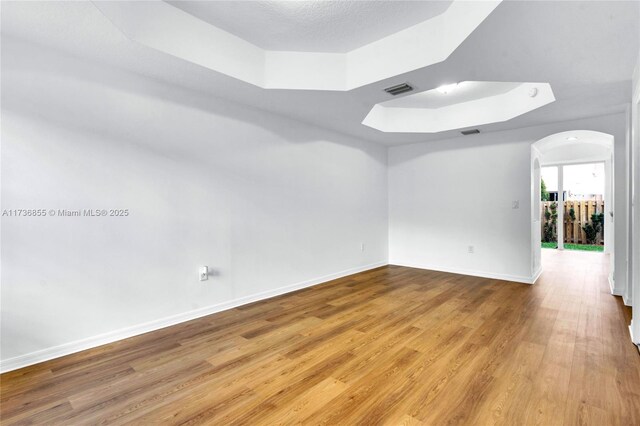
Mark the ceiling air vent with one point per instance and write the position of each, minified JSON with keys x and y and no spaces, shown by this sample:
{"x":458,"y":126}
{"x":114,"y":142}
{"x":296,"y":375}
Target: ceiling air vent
{"x":470,"y":132}
{"x":398,"y":88}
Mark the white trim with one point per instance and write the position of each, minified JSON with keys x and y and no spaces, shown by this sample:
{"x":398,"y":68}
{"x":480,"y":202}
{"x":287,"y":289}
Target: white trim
{"x":474,"y":273}
{"x":573,"y":162}
{"x":635,"y":96}
{"x":617,"y":291}
{"x":634,"y":199}
{"x":612,"y":286}
{"x":124,"y":333}
{"x":635,"y":342}
{"x":536,"y":275}
{"x":560,"y":211}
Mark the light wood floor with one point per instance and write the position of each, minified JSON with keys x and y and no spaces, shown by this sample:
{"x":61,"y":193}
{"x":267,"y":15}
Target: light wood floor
{"x":390,"y":346}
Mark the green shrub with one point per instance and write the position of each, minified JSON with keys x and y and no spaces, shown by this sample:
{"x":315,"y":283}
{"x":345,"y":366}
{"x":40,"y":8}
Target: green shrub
{"x":599,"y":217}
{"x":544,"y":194}
{"x":550,"y":226}
{"x":591,"y":231}
{"x":592,"y":228}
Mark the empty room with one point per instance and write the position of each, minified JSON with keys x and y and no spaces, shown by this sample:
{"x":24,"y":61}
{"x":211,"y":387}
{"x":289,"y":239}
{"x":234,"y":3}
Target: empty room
{"x":320,"y":212}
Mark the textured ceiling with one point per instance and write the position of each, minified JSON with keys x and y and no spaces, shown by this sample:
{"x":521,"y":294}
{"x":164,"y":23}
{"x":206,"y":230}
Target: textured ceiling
{"x":313,"y":26}
{"x":168,"y":29}
{"x":586,"y":50}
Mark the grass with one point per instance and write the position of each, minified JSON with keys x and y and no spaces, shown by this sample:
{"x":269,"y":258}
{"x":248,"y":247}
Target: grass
{"x":582,"y":247}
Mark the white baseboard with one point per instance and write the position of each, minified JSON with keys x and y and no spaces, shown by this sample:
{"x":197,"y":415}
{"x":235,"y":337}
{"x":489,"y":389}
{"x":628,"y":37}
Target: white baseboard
{"x":124,"y":333}
{"x":536,"y":275}
{"x":636,"y":341}
{"x":612,"y":286}
{"x":617,"y":292}
{"x":474,"y":273}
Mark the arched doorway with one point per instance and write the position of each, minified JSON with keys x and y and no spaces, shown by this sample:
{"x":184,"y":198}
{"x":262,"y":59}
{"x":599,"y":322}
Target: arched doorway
{"x":561,"y":150}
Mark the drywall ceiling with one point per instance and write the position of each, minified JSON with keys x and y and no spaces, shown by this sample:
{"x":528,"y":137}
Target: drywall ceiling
{"x":312,"y":26}
{"x":578,"y":146}
{"x":586,"y":51}
{"x":478,"y":103}
{"x":464,"y":91}
{"x":163,"y":27}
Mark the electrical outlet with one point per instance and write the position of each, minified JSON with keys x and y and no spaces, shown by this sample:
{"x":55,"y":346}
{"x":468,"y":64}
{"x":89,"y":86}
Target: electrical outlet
{"x":470,"y":249}
{"x":361,"y":246}
{"x":204,"y":273}
{"x":515,"y":204}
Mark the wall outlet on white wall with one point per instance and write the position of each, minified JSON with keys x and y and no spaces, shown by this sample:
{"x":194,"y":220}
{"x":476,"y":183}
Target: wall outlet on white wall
{"x":361,"y":246}
{"x":204,"y":273}
{"x":470,"y":249}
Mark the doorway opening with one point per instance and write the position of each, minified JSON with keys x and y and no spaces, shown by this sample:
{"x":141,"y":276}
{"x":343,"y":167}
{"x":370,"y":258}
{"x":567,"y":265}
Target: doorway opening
{"x":573,"y":210}
{"x":581,"y":187}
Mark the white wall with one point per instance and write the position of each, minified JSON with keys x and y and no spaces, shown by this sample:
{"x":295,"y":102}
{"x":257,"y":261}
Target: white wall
{"x":627,"y":295}
{"x":270,"y":204}
{"x":447,"y":195}
{"x":576,"y":153}
{"x":634,"y":293}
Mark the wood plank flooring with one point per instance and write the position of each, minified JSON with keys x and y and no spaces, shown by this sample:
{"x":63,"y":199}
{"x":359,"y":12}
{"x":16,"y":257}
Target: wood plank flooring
{"x":392,"y":346}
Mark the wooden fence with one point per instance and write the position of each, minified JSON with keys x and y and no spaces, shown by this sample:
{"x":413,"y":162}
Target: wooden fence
{"x":573,"y":232}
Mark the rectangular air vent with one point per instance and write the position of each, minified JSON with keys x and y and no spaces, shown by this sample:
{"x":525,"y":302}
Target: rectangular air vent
{"x":398,"y":88}
{"x":470,"y":132}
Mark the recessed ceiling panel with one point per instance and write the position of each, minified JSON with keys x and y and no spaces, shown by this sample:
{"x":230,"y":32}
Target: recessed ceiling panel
{"x":312,"y":26}
{"x":458,"y":106}
{"x":190,"y":37}
{"x":510,"y":45}
{"x":463,"y":92}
